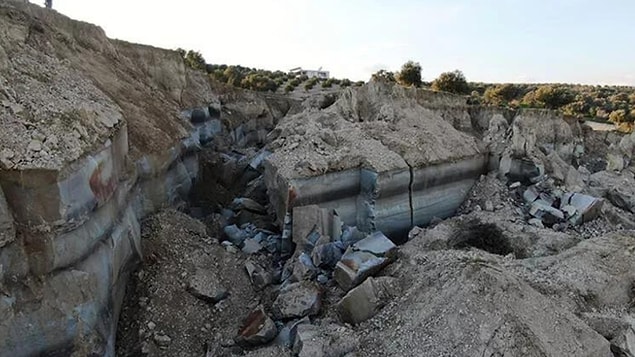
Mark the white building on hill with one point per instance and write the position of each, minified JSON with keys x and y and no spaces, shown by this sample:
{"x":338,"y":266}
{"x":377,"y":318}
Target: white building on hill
{"x":319,"y":73}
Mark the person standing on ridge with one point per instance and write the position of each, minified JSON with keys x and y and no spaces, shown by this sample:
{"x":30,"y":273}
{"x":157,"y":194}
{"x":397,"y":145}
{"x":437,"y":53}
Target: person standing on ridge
{"x":48,"y":4}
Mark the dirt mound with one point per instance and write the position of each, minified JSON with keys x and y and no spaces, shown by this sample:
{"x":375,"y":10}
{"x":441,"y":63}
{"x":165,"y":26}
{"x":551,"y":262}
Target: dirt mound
{"x":66,"y":86}
{"x":377,"y":126}
{"x":161,"y":316}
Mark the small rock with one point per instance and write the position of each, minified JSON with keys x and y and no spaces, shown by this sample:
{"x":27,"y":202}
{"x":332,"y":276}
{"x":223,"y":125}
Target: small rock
{"x":364,"y":301}
{"x":364,"y":259}
{"x":243,"y":203}
{"x":489,"y":206}
{"x":5,"y":157}
{"x":257,"y":329}
{"x":536,"y":223}
{"x":205,"y":285}
{"x":297,"y":300}
{"x":162,"y":340}
{"x":235,"y":235}
{"x":151,"y":325}
{"x":259,"y":277}
{"x":515,"y":185}
{"x":34,"y":145}
{"x":326,"y":255}
{"x":251,"y":246}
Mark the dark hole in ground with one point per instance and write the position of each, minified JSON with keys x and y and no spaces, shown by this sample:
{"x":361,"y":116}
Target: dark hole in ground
{"x":484,"y":236}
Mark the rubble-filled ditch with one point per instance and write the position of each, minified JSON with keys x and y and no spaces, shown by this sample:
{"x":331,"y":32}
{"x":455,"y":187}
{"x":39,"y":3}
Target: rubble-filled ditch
{"x":230,"y":276}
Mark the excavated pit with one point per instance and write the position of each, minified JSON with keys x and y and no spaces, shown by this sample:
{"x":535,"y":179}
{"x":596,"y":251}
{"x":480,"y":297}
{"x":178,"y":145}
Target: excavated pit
{"x":305,"y":190}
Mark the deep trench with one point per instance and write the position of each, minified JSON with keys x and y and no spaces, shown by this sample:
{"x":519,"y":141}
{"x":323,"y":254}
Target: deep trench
{"x":225,"y":175}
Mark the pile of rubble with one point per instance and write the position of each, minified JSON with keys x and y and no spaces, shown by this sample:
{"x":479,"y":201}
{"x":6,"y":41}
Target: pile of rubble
{"x":329,"y":258}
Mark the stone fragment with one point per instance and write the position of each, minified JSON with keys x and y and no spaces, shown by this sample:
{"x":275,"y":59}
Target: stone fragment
{"x":303,"y":268}
{"x":326,"y":255}
{"x":243,"y":203}
{"x":363,"y":259}
{"x":205,"y":285}
{"x":587,"y":207}
{"x":489,"y":206}
{"x":161,"y":340}
{"x":523,"y":170}
{"x":235,"y":235}
{"x":365,"y":300}
{"x":251,"y":246}
{"x":536,"y":223}
{"x":515,"y":185}
{"x":624,"y":344}
{"x":542,"y":210}
{"x":259,"y":277}
{"x":34,"y":145}
{"x":307,"y":219}
{"x":297,"y":300}
{"x":257,"y":329}
{"x":6,"y":155}
{"x":323,"y":341}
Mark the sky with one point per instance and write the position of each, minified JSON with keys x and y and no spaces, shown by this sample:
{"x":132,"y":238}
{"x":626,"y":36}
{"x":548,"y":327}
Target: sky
{"x":563,"y":41}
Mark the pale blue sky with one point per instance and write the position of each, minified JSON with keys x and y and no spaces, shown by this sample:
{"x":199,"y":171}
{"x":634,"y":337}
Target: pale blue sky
{"x":576,"y":41}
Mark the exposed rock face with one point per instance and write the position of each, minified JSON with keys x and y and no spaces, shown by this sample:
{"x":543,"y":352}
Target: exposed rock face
{"x":96,"y":135}
{"x":384,"y":157}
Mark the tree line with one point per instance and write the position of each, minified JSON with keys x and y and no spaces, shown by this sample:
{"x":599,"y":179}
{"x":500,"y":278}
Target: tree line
{"x":600,"y":102}
{"x":597,"y":102}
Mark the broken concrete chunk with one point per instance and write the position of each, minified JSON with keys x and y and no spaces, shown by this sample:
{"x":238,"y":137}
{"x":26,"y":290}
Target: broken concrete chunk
{"x":297,"y":300}
{"x":587,"y":207}
{"x":364,"y":301}
{"x":257,"y":329}
{"x":364,"y":259}
{"x":205,"y":285}
{"x":378,"y":244}
{"x":356,"y":266}
{"x":259,"y":277}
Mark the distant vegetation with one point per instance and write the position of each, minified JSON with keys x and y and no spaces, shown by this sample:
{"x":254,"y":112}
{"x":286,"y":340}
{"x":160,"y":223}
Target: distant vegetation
{"x":259,"y":79}
{"x":603,"y":103}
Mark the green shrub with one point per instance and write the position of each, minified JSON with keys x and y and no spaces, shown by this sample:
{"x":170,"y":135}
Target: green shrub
{"x":453,"y":82}
{"x":410,"y":74}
